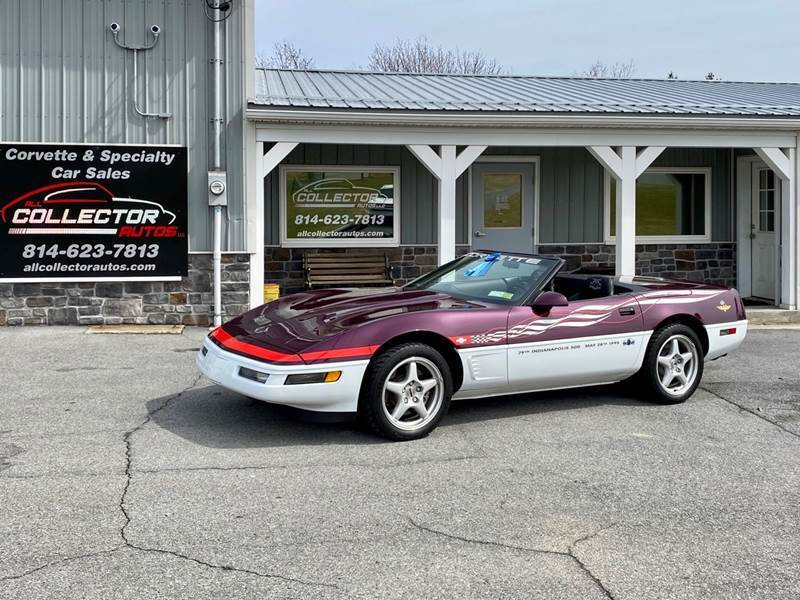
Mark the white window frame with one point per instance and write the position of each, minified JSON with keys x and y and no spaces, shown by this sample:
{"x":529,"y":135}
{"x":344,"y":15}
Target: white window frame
{"x":661,"y":239}
{"x":392,"y":242}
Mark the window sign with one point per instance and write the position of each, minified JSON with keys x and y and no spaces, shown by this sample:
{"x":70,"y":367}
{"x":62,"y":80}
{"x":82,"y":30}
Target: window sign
{"x":340,"y":206}
{"x":502,"y":200}
{"x":672,"y":205}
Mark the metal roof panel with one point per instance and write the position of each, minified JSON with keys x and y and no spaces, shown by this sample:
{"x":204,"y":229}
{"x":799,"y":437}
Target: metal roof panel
{"x":505,"y":93}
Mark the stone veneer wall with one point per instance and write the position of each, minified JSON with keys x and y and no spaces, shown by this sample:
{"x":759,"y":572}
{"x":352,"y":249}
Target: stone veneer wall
{"x":285,"y":265}
{"x":711,"y":263}
{"x":188,"y":301}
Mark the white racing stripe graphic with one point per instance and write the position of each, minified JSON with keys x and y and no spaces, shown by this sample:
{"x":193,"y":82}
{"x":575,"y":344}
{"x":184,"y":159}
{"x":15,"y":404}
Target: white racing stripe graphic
{"x":586,"y":316}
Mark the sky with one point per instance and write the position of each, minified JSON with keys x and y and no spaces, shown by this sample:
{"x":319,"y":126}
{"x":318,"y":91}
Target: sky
{"x":750,"y":40}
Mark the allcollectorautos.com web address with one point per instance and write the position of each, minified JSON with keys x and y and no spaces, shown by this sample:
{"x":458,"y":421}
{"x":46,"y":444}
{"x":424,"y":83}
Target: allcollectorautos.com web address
{"x":305,"y":233}
{"x":58,"y":267}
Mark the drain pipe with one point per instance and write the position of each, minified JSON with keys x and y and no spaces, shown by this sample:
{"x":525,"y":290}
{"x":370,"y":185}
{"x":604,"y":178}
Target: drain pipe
{"x":216,"y":176}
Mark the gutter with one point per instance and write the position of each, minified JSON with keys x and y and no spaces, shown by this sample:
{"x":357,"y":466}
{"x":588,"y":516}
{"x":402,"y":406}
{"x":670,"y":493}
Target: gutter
{"x":305,"y":116}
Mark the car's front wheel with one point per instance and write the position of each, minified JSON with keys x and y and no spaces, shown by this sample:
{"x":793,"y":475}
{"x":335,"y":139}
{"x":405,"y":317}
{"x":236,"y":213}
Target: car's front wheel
{"x":406,"y":392}
{"x":673,"y":365}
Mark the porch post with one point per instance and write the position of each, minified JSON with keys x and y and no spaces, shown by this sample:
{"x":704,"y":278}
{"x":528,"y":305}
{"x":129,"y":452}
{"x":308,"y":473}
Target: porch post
{"x":264,"y":164}
{"x":625,"y":167}
{"x":784,"y":164}
{"x":446,"y":166}
{"x":446,"y":227}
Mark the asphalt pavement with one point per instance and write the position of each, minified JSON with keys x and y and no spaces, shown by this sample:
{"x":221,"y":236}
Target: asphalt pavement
{"x":123,"y":474}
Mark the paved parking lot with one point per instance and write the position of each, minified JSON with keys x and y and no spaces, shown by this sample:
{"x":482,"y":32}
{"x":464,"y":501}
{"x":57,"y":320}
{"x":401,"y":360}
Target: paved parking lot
{"x":124,"y":475}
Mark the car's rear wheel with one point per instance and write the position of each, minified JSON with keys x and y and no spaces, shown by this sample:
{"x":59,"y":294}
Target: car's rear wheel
{"x":673,"y":365}
{"x":406,"y":392}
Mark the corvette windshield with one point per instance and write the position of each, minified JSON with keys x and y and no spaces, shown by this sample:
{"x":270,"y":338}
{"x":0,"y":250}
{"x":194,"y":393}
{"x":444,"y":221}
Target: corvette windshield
{"x":490,"y":277}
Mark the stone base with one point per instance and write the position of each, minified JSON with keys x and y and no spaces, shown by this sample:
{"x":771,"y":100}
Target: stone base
{"x":713,"y":263}
{"x":284,"y":266}
{"x":710,"y":263}
{"x":187,"y":302}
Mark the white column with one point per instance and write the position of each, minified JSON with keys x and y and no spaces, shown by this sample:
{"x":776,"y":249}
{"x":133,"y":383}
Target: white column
{"x":784,"y":164}
{"x":264,"y":164}
{"x":789,"y":298}
{"x":446,"y":166}
{"x":625,"y":264}
{"x":447,"y":206}
{"x":796,"y":253}
{"x":625,"y":167}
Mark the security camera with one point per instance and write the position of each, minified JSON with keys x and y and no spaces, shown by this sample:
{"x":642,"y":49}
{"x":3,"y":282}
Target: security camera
{"x":155,"y":29}
{"x":114,"y":27}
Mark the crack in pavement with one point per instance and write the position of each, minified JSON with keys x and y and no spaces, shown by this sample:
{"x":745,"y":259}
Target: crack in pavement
{"x":61,"y":561}
{"x":570,"y":553}
{"x":746,"y":409}
{"x":128,"y":477}
{"x":360,"y":465}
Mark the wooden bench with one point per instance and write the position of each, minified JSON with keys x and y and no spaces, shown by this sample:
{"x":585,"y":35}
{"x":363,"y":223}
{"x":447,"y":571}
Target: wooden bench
{"x":325,"y":268}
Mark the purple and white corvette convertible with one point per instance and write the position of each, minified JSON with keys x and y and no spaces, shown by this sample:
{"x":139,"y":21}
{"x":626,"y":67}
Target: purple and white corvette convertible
{"x":485,"y":324}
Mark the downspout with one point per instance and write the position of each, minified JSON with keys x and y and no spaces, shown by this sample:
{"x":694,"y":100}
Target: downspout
{"x":217,"y":166}
{"x":216,"y":199}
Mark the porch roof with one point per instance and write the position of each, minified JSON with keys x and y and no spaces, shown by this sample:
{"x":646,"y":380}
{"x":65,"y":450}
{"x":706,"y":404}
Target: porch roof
{"x":281,"y":88}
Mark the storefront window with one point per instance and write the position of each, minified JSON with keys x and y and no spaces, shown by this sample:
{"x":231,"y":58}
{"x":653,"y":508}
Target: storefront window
{"x":671,"y":205}
{"x":340,"y":206}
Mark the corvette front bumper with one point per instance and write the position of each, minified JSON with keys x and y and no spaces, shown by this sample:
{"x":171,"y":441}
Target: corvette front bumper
{"x":224,"y":368}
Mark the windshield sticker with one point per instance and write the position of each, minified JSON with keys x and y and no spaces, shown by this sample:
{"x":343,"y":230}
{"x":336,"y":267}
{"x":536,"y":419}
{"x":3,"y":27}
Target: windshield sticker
{"x":483,"y":268}
{"x":499,"y":294}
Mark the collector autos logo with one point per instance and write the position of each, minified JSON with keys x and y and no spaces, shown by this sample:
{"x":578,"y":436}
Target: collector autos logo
{"x":338,"y":192}
{"x":84,"y":211}
{"x":723,"y":306}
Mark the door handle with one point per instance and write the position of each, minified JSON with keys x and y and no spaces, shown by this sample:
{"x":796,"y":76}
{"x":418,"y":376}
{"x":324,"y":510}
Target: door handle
{"x":627,"y":311}
{"x":479,"y":234}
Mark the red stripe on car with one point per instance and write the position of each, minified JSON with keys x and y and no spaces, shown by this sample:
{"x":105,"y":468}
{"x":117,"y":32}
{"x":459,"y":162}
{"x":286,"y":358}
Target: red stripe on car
{"x":355,"y":352}
{"x":228,"y":341}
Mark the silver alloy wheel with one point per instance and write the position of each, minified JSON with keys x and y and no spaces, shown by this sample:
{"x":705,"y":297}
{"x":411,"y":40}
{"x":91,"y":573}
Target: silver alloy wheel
{"x":412,"y":393}
{"x":677,"y":364}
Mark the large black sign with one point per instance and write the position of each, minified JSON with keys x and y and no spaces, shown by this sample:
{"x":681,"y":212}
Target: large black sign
{"x":92,"y":211}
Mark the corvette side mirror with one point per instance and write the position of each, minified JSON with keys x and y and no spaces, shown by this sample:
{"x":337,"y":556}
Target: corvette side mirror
{"x":547,"y":300}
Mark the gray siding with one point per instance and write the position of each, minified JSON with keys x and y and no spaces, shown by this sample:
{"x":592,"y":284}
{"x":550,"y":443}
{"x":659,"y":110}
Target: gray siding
{"x":65,"y":80}
{"x":571,"y":181}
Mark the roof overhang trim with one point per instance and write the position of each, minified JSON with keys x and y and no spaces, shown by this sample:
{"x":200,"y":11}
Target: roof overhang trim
{"x":261,"y":114}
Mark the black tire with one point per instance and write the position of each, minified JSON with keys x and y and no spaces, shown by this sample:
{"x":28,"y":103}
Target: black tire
{"x":371,"y":409}
{"x":649,"y":377}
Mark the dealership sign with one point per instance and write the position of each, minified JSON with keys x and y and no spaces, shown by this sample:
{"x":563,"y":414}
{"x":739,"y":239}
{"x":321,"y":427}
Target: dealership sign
{"x":92,"y":212}
{"x":346,"y":206}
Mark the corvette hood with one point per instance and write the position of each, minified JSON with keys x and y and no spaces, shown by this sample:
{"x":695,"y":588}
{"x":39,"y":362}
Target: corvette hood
{"x":309,"y":322}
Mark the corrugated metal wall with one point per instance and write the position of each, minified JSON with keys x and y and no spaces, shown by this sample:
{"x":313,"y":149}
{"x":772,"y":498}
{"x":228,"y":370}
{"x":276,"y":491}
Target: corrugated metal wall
{"x":571,"y":191}
{"x":65,"y":80}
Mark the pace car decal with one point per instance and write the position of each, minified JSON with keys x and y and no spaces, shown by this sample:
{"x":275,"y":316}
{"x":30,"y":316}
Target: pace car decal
{"x":587,"y":316}
{"x":584,"y":316}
